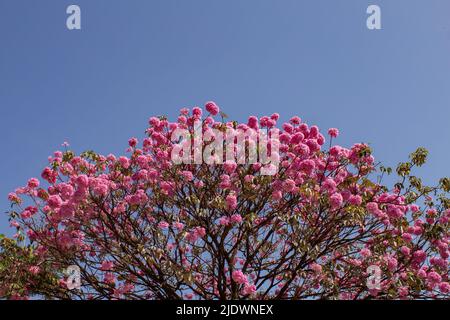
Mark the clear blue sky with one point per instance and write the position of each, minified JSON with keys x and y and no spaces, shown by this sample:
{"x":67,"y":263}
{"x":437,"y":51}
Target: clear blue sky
{"x":134,"y":59}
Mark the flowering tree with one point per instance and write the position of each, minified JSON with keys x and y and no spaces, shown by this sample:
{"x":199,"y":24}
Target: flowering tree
{"x":144,"y":227}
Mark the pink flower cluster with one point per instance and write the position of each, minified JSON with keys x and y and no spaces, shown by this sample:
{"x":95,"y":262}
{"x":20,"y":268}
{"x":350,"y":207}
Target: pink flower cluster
{"x":139,"y":221}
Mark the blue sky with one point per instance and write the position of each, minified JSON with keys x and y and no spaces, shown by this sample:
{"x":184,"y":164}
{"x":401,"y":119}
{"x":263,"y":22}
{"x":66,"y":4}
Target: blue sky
{"x":133,"y":59}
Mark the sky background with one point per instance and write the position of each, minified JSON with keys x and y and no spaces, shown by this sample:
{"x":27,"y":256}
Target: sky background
{"x":133,"y":59}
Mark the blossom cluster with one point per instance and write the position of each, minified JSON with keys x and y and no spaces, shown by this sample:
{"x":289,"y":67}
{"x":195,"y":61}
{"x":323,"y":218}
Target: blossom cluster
{"x":143,"y":226}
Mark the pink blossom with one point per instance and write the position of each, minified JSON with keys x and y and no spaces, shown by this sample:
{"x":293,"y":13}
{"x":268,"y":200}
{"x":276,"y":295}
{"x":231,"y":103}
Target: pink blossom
{"x":407,"y":237}
{"x":124,"y":162}
{"x":201,"y":232}
{"x":197,"y":112}
{"x":230,"y":166}
{"x":109,"y":278}
{"x":88,"y":206}
{"x":336,"y":200}
{"x":444,"y":287}
{"x":187,"y":175}
{"x":34,"y":269}
{"x":419,"y":256}
{"x":54,"y":201}
{"x":13,"y":197}
{"x":249,"y":289}
{"x":355,"y":200}
{"x":405,"y":250}
{"x":317,"y":268}
{"x":163,"y":225}
{"x":289,"y":185}
{"x":365,"y":253}
{"x":107,"y":265}
{"x":329,"y":185}
{"x":403,"y":291}
{"x":132,"y":142}
{"x":224,"y":221}
{"x":239,"y":277}
{"x":178,"y":225}
{"x":333,"y":132}
{"x":253,"y":122}
{"x":392,"y":263}
{"x":33,"y":183}
{"x":434,"y":277}
{"x":212,"y":108}
{"x":236,"y":218}
{"x":295,"y":120}
{"x":231,"y":201}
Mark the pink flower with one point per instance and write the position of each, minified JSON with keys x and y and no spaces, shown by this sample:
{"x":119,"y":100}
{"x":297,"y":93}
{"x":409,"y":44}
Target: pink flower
{"x":132,"y":142}
{"x":295,"y":120}
{"x":249,"y":289}
{"x":288,"y":127}
{"x":109,"y":278}
{"x":197,"y":112}
{"x":49,"y":175}
{"x":419,"y":256}
{"x":249,"y":178}
{"x":365,"y":253}
{"x":434,"y":277}
{"x":355,"y":200}
{"x":231,"y":201}
{"x":253,"y":122}
{"x":333,"y":132}
{"x":26,"y":214}
{"x":230,"y":166}
{"x":329,"y":185}
{"x":277,"y":195}
{"x":124,"y":162}
{"x":297,"y":138}
{"x":392,"y":263}
{"x":178,"y":225}
{"x":317,"y":268}
{"x":236,"y":218}
{"x":289,"y":185}
{"x":82,"y":181}
{"x":336,"y":200}
{"x":372,"y":207}
{"x":275,"y":116}
{"x":444,"y":287}
{"x":224,"y":221}
{"x":405,"y":250}
{"x":107,"y":265}
{"x":33,"y":183}
{"x":200,"y":231}
{"x":199,"y":184}
{"x":307,"y":166}
{"x":166,"y":187}
{"x":239,"y":277}
{"x":422,"y":274}
{"x":13,"y":197}
{"x":163,"y":225}
{"x":187,"y":175}
{"x":212,"y":108}
{"x":403,"y":292}
{"x":407,"y":237}
{"x":34,"y":269}
{"x":54,"y":201}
